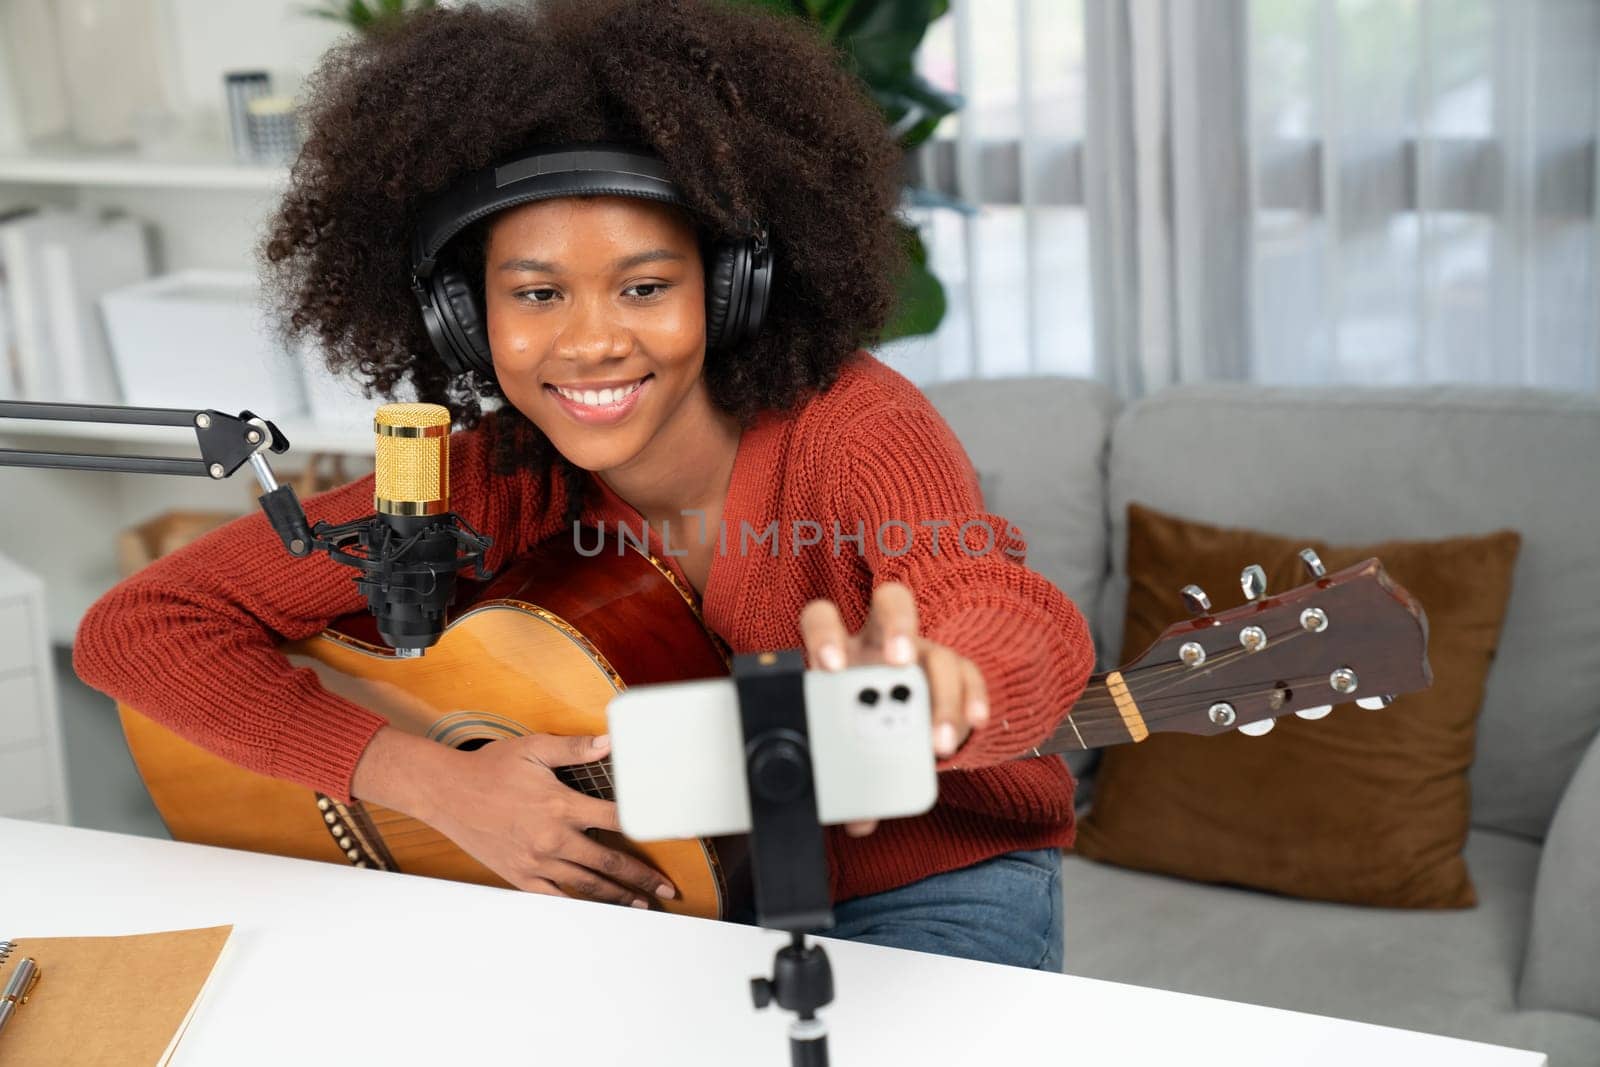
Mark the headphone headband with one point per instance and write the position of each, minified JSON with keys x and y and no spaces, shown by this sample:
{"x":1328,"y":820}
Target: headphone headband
{"x":548,"y":173}
{"x":738,"y":280}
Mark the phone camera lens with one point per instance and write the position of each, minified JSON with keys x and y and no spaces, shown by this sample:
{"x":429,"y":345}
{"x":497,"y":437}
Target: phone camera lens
{"x":902,"y":693}
{"x":868,"y":697}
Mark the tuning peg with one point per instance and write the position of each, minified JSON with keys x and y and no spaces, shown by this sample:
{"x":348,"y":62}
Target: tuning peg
{"x":1313,"y":563}
{"x":1259,"y":727}
{"x":1315,"y":713}
{"x":1253,"y":580}
{"x":1375,"y":703}
{"x":1195,"y":599}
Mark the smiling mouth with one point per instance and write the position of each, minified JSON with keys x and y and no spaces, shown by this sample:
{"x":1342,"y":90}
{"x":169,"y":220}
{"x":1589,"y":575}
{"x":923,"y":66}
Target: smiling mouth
{"x":600,"y":398}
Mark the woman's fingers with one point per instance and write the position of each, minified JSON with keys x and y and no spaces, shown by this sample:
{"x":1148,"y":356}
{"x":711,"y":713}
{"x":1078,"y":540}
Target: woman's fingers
{"x":620,"y":867}
{"x":947,"y":692}
{"x":977,"y":693}
{"x":861,"y":829}
{"x":556,"y":750}
{"x":823,"y":631}
{"x":533,"y":883}
{"x":891,"y":626}
{"x":579,"y":881}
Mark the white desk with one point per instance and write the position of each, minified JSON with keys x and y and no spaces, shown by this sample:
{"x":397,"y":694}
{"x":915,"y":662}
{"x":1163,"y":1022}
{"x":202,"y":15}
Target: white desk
{"x":334,"y":965}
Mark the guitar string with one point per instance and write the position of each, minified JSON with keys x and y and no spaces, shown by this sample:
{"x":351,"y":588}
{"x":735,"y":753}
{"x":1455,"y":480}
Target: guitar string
{"x":1175,"y":673}
{"x":1289,"y":682}
{"x":1179,"y":667}
{"x":1092,"y":721}
{"x":1151,"y":701}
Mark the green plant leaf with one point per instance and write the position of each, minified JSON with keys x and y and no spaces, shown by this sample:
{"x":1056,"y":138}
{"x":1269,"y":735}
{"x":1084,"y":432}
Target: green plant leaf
{"x":368,"y":18}
{"x":882,"y":37}
{"x":920,"y":304}
{"x":778,"y":7}
{"x":918,"y":133}
{"x":829,"y":14}
{"x":913,"y":108}
{"x":934,"y":100}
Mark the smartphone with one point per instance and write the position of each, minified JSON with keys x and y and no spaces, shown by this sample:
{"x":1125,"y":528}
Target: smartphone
{"x":677,"y":751}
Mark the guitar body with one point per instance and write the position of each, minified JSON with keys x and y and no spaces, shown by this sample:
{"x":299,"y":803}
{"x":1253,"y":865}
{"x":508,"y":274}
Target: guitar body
{"x":541,"y":648}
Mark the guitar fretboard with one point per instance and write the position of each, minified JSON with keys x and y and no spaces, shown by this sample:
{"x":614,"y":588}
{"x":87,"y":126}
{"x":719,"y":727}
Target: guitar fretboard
{"x":593,"y":779}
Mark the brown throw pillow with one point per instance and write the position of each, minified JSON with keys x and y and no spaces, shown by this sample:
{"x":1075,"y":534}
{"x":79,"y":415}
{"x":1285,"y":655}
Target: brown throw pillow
{"x":1361,"y":807}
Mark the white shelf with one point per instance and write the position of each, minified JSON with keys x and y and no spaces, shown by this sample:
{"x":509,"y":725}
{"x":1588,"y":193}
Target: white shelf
{"x":199,"y":167}
{"x":352,"y":438}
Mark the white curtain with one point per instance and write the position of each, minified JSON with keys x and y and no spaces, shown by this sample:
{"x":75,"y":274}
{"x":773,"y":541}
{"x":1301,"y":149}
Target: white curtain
{"x":1016,"y":274}
{"x":1302,"y":191}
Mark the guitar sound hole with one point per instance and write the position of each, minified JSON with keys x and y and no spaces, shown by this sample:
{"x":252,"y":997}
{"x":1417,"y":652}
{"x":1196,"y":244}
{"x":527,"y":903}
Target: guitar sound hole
{"x":472,"y":744}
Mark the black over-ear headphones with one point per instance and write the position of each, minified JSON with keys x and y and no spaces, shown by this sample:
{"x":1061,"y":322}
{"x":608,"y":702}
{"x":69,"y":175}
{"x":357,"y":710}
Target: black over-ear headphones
{"x":738,"y":281}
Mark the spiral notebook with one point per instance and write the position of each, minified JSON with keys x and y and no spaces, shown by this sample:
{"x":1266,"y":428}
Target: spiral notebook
{"x":108,"y":1001}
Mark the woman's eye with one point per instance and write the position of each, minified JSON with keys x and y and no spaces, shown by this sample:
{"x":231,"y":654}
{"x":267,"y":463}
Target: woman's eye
{"x":654,"y":288}
{"x":535,"y":296}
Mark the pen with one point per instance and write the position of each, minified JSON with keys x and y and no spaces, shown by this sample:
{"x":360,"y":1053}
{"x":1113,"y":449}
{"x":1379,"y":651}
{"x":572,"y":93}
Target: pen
{"x":23,"y":979}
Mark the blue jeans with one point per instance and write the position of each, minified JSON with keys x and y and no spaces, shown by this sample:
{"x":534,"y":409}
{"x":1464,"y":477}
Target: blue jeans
{"x":1002,"y":910}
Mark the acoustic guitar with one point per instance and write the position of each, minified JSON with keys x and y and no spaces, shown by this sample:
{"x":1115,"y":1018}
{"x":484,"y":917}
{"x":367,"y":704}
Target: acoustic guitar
{"x":545,"y":645}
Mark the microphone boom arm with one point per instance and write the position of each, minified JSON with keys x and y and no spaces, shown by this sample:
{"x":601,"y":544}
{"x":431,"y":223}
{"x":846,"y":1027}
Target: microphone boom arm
{"x":228,"y":442}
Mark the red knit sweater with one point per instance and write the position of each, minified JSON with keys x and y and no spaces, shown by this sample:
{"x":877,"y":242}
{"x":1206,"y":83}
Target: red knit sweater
{"x":191,"y":640}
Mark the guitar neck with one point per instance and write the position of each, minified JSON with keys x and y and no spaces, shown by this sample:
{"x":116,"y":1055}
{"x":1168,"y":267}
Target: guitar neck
{"x":1103,"y":716}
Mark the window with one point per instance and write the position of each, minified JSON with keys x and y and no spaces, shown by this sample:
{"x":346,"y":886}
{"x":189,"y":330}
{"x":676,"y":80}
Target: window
{"x":1416,"y":186}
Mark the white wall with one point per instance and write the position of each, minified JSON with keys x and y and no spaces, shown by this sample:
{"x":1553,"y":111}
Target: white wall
{"x":196,"y":41}
{"x":210,"y":37}
{"x":64,"y":524}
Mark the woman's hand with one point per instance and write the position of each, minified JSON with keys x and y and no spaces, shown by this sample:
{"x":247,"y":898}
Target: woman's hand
{"x":955,"y":685}
{"x":504,"y":805}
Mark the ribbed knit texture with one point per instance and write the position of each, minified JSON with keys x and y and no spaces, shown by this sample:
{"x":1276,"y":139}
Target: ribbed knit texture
{"x":192,"y":639}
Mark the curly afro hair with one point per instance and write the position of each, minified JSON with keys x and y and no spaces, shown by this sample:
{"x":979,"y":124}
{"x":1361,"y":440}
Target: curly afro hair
{"x":755,"y":116}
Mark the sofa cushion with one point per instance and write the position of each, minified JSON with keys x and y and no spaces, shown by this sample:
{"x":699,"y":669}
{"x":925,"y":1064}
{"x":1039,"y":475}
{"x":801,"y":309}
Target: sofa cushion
{"x":1442,"y":972}
{"x":1562,"y":970}
{"x":1364,"y":807}
{"x":1353,"y":465}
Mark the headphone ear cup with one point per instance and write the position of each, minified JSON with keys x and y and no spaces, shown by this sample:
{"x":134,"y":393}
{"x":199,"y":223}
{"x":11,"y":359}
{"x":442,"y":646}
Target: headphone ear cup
{"x":458,"y":312}
{"x":720,"y":296}
{"x":738,"y":291}
{"x":758,"y":290}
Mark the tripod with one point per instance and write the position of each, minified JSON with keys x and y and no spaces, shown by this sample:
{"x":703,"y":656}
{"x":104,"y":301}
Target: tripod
{"x":801,"y":982}
{"x":789,"y":862}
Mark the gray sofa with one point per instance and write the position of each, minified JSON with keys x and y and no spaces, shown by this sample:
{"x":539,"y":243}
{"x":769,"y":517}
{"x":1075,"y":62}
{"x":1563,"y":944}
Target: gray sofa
{"x":1062,"y":459}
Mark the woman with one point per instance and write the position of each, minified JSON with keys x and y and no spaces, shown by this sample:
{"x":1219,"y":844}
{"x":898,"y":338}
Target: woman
{"x":582,"y":294}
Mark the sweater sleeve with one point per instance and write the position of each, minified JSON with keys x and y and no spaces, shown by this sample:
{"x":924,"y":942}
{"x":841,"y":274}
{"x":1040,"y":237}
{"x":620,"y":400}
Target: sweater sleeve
{"x":904,"y":476}
{"x":191,"y":641}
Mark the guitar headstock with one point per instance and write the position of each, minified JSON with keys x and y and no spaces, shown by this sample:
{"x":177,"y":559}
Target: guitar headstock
{"x":1354,"y":635}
